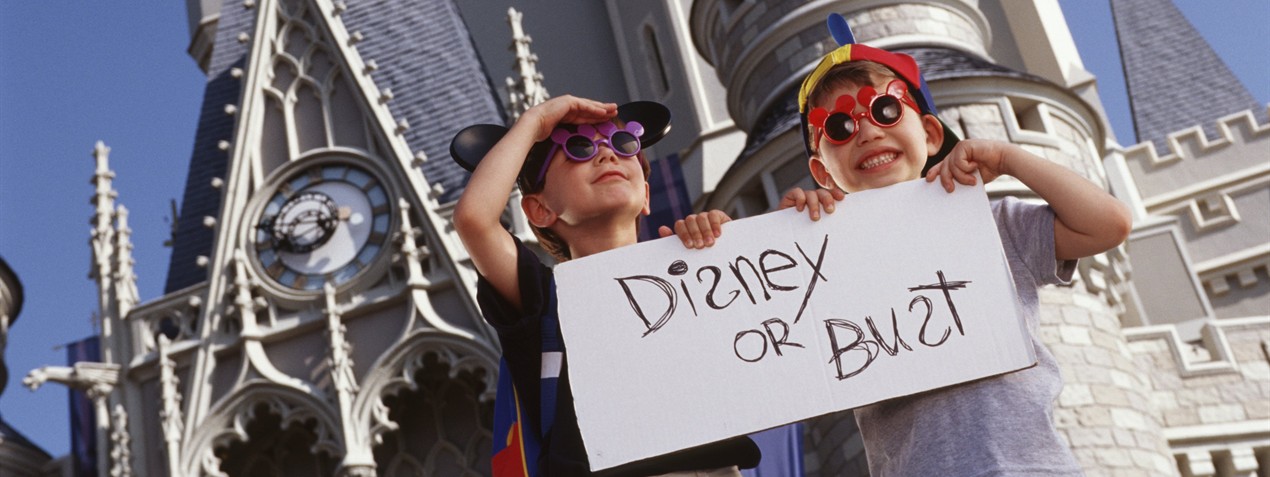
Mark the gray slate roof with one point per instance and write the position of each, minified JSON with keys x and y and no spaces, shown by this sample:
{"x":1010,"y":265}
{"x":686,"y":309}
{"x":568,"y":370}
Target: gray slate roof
{"x":1174,"y":78}
{"x":207,"y":161}
{"x":425,"y":56}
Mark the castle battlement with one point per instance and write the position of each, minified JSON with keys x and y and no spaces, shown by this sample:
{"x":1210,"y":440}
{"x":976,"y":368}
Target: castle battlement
{"x":1207,"y":394}
{"x":1193,"y":161}
{"x":1192,"y":143}
{"x":1213,"y":354}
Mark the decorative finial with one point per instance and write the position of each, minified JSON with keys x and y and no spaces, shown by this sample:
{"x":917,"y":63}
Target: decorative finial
{"x":528,"y":90}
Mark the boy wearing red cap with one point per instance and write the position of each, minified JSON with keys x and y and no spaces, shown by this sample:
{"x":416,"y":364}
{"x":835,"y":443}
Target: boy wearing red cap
{"x":869,"y":122}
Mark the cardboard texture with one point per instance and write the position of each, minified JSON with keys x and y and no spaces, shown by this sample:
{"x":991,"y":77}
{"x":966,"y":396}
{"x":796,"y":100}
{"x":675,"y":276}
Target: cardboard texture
{"x":901,"y":290}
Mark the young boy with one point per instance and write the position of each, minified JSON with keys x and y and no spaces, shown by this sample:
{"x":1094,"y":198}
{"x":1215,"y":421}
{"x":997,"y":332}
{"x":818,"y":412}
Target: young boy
{"x":869,"y":123}
{"x":584,"y":189}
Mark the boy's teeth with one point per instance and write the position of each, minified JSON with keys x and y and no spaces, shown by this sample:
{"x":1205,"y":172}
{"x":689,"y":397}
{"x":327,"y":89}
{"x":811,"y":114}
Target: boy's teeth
{"x":878,"y":160}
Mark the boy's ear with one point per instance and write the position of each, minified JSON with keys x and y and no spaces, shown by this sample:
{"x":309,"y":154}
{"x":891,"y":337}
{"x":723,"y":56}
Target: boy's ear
{"x":934,"y":133}
{"x":537,"y":212}
{"x":820,"y":173}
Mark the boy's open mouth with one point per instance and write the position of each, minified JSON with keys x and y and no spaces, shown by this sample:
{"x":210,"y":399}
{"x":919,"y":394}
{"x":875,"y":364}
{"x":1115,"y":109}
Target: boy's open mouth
{"x":878,"y":160}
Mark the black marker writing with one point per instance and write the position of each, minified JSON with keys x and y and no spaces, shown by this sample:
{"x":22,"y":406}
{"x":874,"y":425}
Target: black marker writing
{"x":837,"y":329}
{"x":745,"y":271}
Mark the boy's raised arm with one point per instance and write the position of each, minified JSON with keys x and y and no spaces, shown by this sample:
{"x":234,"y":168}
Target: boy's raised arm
{"x":476,"y":216}
{"x":1087,"y":221}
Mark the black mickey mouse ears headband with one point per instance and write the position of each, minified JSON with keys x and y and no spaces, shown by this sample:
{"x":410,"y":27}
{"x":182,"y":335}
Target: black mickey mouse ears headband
{"x":472,"y":143}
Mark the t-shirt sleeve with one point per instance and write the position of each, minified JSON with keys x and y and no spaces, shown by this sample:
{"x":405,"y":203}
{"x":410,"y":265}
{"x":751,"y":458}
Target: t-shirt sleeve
{"x":519,"y":330}
{"x":534,"y":281}
{"x":1031,"y":232}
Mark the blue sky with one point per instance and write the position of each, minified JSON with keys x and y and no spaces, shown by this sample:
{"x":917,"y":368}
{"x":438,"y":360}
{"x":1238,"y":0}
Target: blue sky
{"x":73,"y":73}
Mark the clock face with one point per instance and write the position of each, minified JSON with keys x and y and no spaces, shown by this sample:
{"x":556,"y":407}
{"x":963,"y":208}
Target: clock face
{"x":323,"y":225}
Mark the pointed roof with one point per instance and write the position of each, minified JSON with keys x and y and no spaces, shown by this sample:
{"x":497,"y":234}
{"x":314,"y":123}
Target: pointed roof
{"x":422,"y":52}
{"x":1174,"y":78}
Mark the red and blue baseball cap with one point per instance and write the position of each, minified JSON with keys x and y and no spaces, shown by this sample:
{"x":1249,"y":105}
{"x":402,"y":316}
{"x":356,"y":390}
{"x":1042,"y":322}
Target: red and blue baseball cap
{"x":904,"y":66}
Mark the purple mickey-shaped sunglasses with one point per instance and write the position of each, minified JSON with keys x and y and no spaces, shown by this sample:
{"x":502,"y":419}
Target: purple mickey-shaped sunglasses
{"x":581,"y":147}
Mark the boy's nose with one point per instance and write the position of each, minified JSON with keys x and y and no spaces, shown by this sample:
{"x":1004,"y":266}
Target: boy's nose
{"x":867,"y":131}
{"x":604,"y":152}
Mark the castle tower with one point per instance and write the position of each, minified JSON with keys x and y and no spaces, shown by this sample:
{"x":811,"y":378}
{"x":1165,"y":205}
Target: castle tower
{"x":319,"y":315}
{"x":314,"y":277}
{"x":18,"y":456}
{"x":1200,"y":293}
{"x":1000,"y":70}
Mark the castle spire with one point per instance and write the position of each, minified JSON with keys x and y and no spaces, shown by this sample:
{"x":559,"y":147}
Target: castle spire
{"x":125,"y":279}
{"x":1163,"y":56}
{"x":528,"y":91}
{"x":103,"y":245}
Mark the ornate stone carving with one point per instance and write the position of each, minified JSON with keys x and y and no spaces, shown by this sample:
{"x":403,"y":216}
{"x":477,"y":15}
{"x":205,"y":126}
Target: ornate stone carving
{"x":96,"y":379}
{"x":339,"y":360}
{"x":120,"y":453}
{"x":170,"y":414}
{"x":526,"y":91}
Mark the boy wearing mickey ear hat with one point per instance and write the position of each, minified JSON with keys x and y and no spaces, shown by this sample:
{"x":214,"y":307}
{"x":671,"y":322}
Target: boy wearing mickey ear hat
{"x":869,"y":122}
{"x":581,"y":169}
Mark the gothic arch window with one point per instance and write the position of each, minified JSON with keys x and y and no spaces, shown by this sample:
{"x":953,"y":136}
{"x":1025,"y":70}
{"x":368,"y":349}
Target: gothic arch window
{"x":275,"y":448}
{"x":442,"y":426}
{"x":657,"y":75}
{"x":309,"y":102}
{"x":403,"y":465}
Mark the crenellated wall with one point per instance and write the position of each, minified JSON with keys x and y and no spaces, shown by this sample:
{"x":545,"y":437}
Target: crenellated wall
{"x":1213,"y":396}
{"x":1218,"y":190}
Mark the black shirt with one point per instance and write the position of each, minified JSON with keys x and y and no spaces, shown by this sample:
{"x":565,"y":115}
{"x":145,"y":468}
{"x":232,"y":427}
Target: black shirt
{"x":520,"y":334}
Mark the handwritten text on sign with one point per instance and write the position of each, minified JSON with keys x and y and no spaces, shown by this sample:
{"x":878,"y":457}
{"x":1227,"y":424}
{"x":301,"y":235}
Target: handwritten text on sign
{"x":902,"y":290}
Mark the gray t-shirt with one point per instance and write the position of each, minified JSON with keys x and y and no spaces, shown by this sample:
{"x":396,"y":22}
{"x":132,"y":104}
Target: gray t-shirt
{"x":1002,"y":425}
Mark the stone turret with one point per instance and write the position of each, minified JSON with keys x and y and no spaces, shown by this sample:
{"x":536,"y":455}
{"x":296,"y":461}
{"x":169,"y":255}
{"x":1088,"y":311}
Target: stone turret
{"x":18,"y":456}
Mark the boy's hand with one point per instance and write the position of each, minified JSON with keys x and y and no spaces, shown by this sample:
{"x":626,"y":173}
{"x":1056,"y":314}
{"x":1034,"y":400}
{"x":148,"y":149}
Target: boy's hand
{"x":698,"y":230}
{"x":970,"y":155}
{"x":568,"y":109}
{"x":813,"y":200}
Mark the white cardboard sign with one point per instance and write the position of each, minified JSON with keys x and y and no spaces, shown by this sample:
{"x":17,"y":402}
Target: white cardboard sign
{"x":901,"y":290}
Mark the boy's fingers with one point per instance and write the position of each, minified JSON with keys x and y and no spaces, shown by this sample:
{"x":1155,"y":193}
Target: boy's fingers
{"x":703,"y":233}
{"x":934,"y":171}
{"x":795,"y":198}
{"x":827,"y":199}
{"x":684,"y":232}
{"x":717,"y":219}
{"x":966,"y":173}
{"x":664,"y":231}
{"x":813,"y":206}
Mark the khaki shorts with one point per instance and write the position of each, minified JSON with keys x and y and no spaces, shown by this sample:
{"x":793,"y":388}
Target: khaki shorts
{"x":720,"y":472}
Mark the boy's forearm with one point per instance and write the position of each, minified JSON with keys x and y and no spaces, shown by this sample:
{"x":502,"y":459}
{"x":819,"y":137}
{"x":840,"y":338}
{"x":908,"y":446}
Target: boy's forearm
{"x":483,"y":200}
{"x":1088,"y":219}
